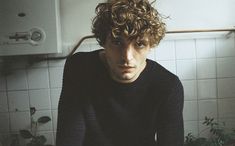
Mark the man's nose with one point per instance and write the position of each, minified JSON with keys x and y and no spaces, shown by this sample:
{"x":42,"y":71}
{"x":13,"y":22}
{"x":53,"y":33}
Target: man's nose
{"x":127,"y":53}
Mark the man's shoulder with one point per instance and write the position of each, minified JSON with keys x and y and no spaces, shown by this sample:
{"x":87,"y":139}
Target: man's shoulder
{"x":81,"y":63}
{"x":160,"y":71}
{"x":161,"y":76}
{"x":80,"y":57}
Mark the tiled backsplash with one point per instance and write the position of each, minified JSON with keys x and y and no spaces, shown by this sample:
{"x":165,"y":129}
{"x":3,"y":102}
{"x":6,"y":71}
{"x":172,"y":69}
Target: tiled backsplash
{"x":206,"y":68}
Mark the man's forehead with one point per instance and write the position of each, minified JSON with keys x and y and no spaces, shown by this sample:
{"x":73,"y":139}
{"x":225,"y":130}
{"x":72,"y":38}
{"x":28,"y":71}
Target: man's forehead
{"x":128,"y":38}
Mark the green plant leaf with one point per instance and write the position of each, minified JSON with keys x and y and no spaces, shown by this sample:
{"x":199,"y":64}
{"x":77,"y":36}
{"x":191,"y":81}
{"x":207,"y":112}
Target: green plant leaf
{"x":44,"y":119}
{"x":41,"y":139}
{"x":26,"y":134}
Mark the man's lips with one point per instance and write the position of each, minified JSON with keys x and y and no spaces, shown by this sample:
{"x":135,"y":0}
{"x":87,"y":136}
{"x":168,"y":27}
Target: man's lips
{"x":123,"y":67}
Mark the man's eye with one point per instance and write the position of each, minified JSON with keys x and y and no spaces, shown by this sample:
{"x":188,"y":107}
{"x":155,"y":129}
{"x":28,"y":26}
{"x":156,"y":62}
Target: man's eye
{"x":140,"y":45}
{"x":116,"y":42}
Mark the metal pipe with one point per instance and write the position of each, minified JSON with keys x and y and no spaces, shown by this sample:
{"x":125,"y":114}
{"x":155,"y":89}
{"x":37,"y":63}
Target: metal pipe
{"x":200,"y":30}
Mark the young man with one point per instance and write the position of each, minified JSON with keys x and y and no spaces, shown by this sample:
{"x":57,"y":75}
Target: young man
{"x":115,"y":96}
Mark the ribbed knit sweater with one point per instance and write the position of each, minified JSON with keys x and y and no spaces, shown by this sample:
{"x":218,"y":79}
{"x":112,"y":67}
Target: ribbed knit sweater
{"x":95,"y":110}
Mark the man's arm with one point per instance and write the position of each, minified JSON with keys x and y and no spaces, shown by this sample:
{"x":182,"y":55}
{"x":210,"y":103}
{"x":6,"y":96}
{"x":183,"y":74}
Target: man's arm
{"x":70,"y":122}
{"x":170,"y":131}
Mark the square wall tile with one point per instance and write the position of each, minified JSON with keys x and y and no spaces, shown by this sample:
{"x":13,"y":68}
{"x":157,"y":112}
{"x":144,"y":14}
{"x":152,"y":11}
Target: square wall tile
{"x":3,"y":102}
{"x":226,"y":108}
{"x":2,"y":82}
{"x":185,"y":49}
{"x":54,"y":119}
{"x":207,"y":108}
{"x":226,"y":67}
{"x":225,"y":46}
{"x":40,"y":99}
{"x":191,"y":127}
{"x":57,"y":63}
{"x":186,"y":69}
{"x":207,"y":89}
{"x":19,"y":121}
{"x":55,"y":96}
{"x":205,"y":48}
{"x":38,"y":78}
{"x":165,"y":51}
{"x":206,"y":68}
{"x":17,"y":80}
{"x":190,"y":89}
{"x":4,"y":122}
{"x":151,"y":55}
{"x":56,"y":76}
{"x":169,"y":65}
{"x":226,"y":87}
{"x":18,"y":101}
{"x":46,"y":126}
{"x":190,"y":110}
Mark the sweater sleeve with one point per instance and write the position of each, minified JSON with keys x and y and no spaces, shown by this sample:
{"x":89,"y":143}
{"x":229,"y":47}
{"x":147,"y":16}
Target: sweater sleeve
{"x":170,"y":131}
{"x":70,"y":121}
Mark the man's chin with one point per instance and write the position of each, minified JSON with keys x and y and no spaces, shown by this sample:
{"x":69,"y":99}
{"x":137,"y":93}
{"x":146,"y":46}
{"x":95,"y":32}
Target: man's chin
{"x":126,"y":78}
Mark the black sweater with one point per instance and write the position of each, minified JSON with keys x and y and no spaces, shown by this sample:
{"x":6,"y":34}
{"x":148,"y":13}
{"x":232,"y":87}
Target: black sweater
{"x":95,"y":110}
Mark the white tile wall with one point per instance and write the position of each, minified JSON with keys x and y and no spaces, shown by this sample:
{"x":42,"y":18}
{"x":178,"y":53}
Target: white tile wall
{"x":4,"y":122}
{"x":40,"y":99}
{"x":185,"y":49}
{"x":207,"y":89}
{"x":226,"y":67}
{"x":206,"y":68}
{"x":17,"y":80}
{"x":207,"y":108}
{"x":190,"y":89}
{"x":54,"y":119}
{"x":226,"y":108}
{"x":205,"y":48}
{"x":18,"y":101}
{"x":56,"y":74}
{"x":186,"y":69}
{"x":226,"y":87}
{"x":19,"y":121}
{"x":225,"y":47}
{"x":38,"y":78}
{"x":2,"y":83}
{"x":165,"y":51}
{"x":3,"y":102}
{"x":55,"y":95}
{"x":190,"y":110}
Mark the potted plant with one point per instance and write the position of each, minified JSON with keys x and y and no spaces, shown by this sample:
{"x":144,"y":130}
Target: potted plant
{"x":220,"y":137}
{"x":32,"y":135}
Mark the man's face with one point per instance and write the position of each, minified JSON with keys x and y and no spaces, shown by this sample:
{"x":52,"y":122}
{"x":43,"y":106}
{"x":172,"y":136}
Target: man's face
{"x":125,"y":58}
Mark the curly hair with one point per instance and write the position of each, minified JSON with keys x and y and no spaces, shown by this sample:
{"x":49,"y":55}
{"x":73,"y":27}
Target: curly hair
{"x":133,"y":18}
